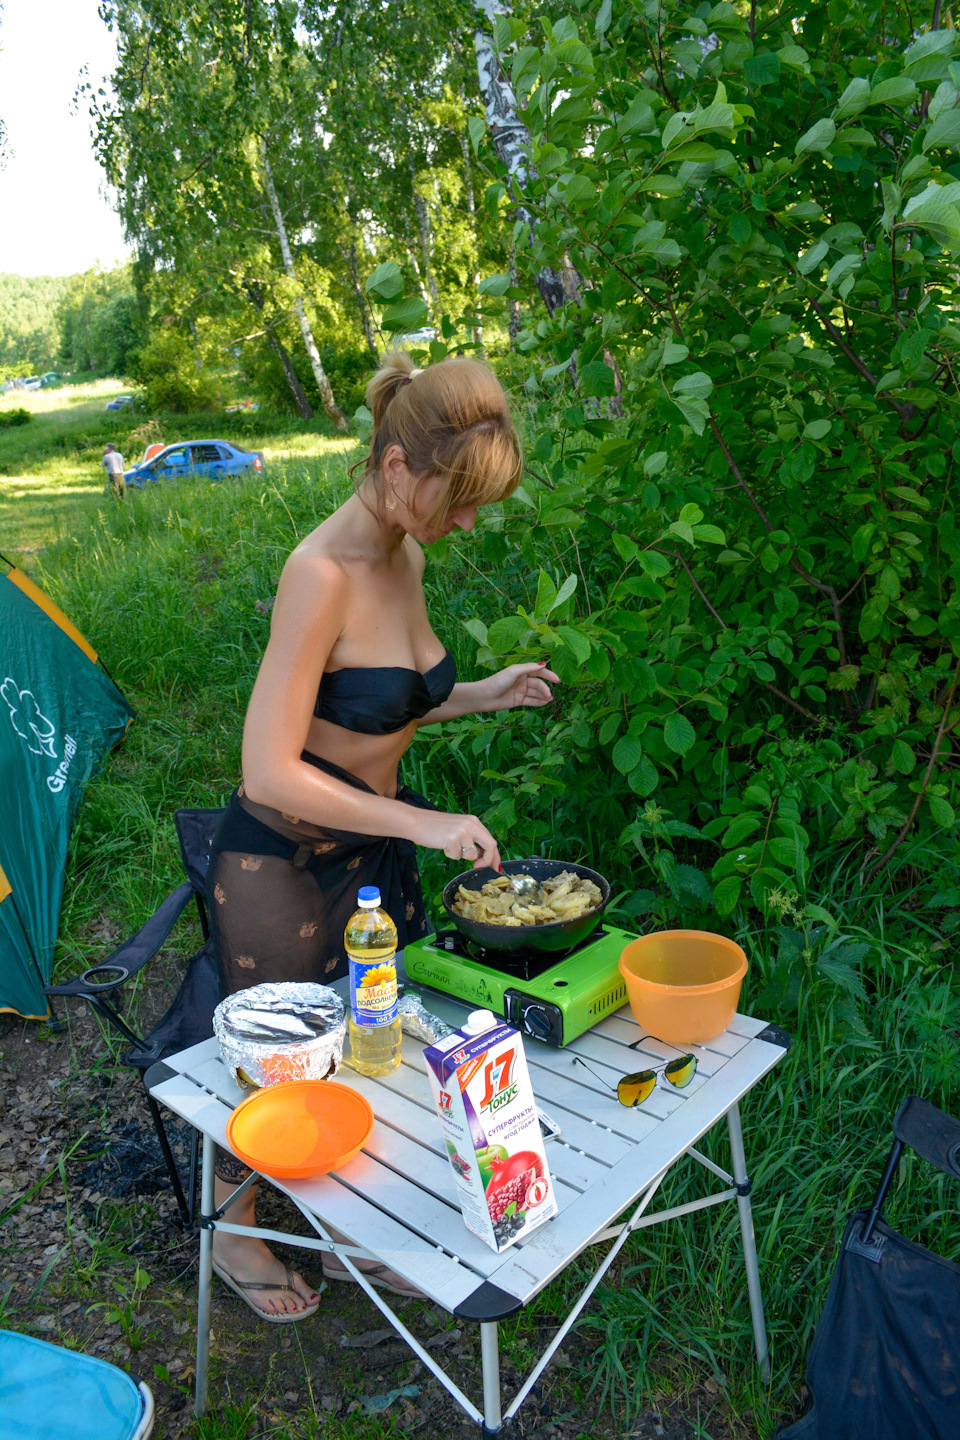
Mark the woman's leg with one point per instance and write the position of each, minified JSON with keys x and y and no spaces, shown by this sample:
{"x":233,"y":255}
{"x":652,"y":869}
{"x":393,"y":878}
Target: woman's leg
{"x":270,"y":924}
{"x":334,"y":1269}
{"x":246,"y":1259}
{"x":265,"y":924}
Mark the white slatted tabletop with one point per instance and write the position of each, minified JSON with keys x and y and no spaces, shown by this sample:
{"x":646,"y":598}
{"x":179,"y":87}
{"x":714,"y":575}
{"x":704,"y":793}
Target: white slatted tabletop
{"x":397,"y":1199}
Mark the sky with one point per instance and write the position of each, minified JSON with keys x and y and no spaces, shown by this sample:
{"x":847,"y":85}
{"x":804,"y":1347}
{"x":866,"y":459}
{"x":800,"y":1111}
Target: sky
{"x":55,"y":215}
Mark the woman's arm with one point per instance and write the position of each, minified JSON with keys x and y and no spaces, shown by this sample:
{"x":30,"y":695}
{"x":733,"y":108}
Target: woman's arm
{"x":308,"y":616}
{"x":506,"y":690}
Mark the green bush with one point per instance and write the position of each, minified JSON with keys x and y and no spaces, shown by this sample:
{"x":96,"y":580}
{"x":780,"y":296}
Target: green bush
{"x":17,"y":416}
{"x":348,"y":367}
{"x":173,"y":378}
{"x":745,"y":451}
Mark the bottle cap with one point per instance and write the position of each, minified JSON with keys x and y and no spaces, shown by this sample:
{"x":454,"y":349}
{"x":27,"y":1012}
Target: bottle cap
{"x":368,"y":897}
{"x":478,"y":1021}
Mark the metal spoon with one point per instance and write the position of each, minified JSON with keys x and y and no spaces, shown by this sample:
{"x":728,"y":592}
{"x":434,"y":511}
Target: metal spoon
{"x":527,"y":889}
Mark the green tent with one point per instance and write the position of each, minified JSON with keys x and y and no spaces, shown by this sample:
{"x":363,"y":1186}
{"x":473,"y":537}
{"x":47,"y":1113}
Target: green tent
{"x":59,"y":714}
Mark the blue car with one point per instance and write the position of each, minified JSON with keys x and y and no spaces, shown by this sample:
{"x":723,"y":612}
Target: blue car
{"x":209,"y":459}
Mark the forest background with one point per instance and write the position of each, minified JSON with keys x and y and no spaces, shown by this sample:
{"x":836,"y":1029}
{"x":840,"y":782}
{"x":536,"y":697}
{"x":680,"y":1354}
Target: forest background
{"x":712,"y":252}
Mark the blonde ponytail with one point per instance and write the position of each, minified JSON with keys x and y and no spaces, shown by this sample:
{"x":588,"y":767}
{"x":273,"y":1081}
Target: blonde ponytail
{"x":395,"y":369}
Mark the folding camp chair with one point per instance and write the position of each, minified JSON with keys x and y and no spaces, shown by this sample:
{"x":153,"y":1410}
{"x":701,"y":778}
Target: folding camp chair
{"x":49,"y":1393}
{"x":189,"y":1019}
{"x":885,"y":1361}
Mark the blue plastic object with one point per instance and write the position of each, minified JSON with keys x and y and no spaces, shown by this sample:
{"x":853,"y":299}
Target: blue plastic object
{"x":47,"y":1393}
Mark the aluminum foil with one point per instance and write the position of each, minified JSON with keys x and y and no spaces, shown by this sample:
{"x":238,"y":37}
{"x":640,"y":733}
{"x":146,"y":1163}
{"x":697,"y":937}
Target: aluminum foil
{"x":416,"y":1020}
{"x":271,"y":1060}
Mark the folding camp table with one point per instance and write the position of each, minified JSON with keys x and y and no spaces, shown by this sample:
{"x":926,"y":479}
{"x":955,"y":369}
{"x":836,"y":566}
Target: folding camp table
{"x":396,"y":1200}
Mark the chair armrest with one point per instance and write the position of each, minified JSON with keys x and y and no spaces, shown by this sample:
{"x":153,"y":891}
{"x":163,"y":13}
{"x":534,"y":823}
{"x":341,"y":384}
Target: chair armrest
{"x":132,"y":955}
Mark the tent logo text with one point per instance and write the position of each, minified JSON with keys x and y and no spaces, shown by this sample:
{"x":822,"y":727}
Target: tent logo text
{"x":26,"y":719}
{"x":58,"y":779}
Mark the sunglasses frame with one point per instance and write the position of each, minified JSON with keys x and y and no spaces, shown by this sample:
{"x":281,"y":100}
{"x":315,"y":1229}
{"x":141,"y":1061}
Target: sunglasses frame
{"x":641,"y":1076}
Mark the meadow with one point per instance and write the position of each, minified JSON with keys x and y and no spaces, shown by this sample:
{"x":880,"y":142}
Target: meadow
{"x":174,"y":587}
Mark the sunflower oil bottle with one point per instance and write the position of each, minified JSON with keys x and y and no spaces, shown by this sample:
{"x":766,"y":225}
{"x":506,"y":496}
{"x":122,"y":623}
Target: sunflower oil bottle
{"x":370,"y":941}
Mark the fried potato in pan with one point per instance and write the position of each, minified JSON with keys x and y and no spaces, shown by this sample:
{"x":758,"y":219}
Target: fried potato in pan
{"x":568,"y":896}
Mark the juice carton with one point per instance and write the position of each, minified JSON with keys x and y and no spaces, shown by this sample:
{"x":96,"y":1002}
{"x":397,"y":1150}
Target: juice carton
{"x":491,"y":1129}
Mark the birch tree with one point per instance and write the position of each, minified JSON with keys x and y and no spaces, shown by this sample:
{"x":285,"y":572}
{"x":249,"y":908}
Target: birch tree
{"x":183,"y":138}
{"x":511,"y":139}
{"x":330,"y":405}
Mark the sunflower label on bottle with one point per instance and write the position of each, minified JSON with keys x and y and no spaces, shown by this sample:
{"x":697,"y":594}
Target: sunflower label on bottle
{"x":370,"y":941}
{"x":373,"y":992}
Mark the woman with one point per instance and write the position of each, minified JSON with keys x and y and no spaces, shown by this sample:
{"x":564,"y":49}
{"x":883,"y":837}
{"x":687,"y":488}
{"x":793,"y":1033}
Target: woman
{"x":351,"y":669}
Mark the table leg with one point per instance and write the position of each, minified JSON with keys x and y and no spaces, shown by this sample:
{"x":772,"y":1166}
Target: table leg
{"x":490,"y":1357}
{"x":742,"y":1181}
{"x":206,"y":1276}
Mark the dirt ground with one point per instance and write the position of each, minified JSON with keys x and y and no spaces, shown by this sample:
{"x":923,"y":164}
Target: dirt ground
{"x":94,"y":1257}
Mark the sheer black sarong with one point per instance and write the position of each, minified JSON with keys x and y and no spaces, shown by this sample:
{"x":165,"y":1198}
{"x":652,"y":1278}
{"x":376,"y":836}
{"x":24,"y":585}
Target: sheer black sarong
{"x":281,"y":891}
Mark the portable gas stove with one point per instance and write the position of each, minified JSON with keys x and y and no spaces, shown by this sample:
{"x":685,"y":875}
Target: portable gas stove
{"x":548,"y":998}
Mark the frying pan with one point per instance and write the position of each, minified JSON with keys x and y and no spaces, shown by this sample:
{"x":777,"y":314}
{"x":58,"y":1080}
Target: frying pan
{"x":560,"y":935}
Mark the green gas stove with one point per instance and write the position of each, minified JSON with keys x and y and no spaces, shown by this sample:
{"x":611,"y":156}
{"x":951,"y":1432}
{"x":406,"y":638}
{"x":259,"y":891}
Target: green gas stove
{"x":550,"y":999}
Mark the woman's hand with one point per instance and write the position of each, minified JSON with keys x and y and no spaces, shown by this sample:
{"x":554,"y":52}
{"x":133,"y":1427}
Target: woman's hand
{"x":460,"y":837}
{"x":517,"y":685}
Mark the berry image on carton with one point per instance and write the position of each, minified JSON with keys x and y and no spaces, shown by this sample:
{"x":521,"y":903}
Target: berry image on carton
{"x":482,"y":1091}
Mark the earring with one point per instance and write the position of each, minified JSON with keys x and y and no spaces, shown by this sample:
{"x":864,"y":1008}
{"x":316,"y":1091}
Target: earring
{"x":390,"y":503}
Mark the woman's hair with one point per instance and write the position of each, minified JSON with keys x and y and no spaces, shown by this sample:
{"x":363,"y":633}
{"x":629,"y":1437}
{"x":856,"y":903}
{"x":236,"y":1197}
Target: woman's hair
{"x":450,"y":420}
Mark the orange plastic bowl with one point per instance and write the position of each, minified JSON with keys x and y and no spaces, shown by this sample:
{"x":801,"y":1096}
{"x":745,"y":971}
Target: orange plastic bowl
{"x":683,"y":985}
{"x":300,"y":1128}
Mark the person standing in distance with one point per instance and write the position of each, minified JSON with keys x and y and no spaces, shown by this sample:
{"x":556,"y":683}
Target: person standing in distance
{"x":112,"y":462}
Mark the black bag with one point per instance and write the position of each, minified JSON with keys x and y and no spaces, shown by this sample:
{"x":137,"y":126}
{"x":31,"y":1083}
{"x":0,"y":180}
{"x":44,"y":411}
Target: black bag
{"x":885,"y":1360}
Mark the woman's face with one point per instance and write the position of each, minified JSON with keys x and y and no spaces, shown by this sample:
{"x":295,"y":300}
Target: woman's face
{"x":424,"y":499}
{"x":416,"y":500}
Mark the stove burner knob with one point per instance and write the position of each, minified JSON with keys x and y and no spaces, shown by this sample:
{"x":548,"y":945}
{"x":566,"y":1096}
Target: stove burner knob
{"x":536,"y":1023}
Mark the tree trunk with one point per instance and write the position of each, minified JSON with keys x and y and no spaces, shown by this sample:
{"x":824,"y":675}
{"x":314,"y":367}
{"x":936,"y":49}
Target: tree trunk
{"x":510,"y":137}
{"x":426,"y":236}
{"x":365,"y":321}
{"x":472,"y":212}
{"x":304,"y":408}
{"x":412,"y":260}
{"x":310,"y":345}
{"x":514,"y":321}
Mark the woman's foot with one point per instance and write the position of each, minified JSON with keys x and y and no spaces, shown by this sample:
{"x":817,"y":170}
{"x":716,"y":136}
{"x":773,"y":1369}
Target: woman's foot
{"x":378,"y":1275}
{"x":247,"y":1261}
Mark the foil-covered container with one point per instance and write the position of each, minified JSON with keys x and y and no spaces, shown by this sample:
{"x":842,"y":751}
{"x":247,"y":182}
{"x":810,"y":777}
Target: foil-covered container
{"x":416,"y":1020}
{"x":312,"y":1016}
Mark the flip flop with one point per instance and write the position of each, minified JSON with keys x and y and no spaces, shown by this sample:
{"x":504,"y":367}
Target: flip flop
{"x":240,"y":1286}
{"x":373,"y":1276}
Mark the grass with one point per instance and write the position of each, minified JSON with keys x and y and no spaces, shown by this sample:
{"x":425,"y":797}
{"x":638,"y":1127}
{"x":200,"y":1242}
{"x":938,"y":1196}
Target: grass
{"x":51,"y":478}
{"x":174,"y":586}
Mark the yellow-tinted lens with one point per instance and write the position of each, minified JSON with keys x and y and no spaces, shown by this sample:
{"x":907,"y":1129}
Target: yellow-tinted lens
{"x":634,"y":1089}
{"x":681,"y":1072}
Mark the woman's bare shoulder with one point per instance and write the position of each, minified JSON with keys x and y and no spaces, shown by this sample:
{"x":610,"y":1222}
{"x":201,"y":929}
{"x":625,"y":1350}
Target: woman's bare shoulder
{"x":311,"y":577}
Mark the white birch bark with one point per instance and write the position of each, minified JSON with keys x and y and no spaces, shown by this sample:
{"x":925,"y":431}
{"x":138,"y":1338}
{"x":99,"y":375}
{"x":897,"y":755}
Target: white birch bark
{"x":510,"y":136}
{"x":309,"y":343}
{"x":472,"y":212}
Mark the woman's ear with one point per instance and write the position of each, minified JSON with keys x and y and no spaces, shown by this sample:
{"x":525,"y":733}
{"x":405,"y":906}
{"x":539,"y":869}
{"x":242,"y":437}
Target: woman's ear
{"x":393,"y":466}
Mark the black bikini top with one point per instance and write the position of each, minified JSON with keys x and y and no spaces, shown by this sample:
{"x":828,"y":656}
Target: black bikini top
{"x":381,"y":699}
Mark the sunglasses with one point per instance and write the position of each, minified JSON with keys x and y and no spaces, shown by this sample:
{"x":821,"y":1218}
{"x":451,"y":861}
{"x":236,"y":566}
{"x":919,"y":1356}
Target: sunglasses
{"x":634,"y":1089}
